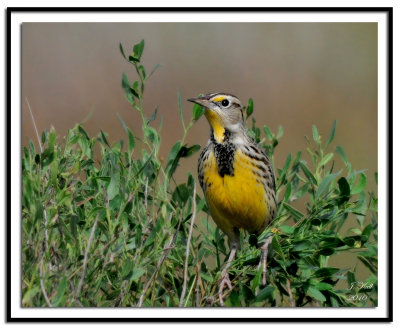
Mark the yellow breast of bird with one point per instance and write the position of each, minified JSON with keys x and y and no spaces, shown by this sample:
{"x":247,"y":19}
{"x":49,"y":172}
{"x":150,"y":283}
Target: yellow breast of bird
{"x":237,"y":201}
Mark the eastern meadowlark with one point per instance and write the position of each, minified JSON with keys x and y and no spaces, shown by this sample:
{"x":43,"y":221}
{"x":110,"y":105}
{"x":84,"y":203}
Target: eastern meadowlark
{"x":236,"y":176}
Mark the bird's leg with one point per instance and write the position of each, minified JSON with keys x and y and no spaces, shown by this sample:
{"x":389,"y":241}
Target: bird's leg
{"x":225,"y":276}
{"x":263,"y":259}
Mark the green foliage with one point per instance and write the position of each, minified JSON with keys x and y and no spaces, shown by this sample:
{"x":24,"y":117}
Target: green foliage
{"x":104,"y":224}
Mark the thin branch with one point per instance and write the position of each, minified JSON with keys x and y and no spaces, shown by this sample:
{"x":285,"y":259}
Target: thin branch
{"x":289,"y":288}
{"x":188,"y":248}
{"x":167,"y":249}
{"x":85,"y":259}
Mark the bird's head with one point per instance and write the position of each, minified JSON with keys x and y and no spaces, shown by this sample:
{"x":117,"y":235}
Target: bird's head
{"x":223,"y":112}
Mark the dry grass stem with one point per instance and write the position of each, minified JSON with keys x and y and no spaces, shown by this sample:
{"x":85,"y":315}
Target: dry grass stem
{"x":188,"y":248}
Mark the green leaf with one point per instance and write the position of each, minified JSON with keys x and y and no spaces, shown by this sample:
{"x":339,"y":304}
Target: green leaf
{"x":366,"y":233}
{"x":44,"y":136}
{"x":342,"y":154}
{"x":142,"y":73}
{"x":83,"y":132}
{"x":181,"y":193}
{"x":362,"y":182}
{"x":280,"y":132}
{"x":250,"y":108}
{"x":302,"y":245}
{"x":285,"y":167}
{"x":286,"y":229}
{"x":154,"y":115}
{"x":288,"y":192}
{"x":324,"y":185}
{"x":52,"y":139}
{"x":133,"y":59}
{"x":127,"y":266}
{"x":268,"y":133}
{"x":173,"y":158}
{"x":135,"y":89}
{"x":130,"y":93}
{"x":255,"y":283}
{"x":104,"y":138}
{"x":151,"y":134}
{"x":266,"y":293}
{"x":138,"y":50}
{"x":325,"y":159}
{"x":316,"y":135}
{"x":125,"y":82}
{"x":297,"y":215}
{"x":327,"y":251}
{"x":121,"y":49}
{"x":186,"y":152}
{"x":277,"y":247}
{"x":308,"y":173}
{"x":316,"y":294}
{"x":323,"y":286}
{"x":234,"y":299}
{"x":131,"y":144}
{"x":137,"y":273}
{"x":331,"y":135}
{"x":113,"y":186}
{"x":73,"y":225}
{"x":198,"y":111}
{"x":344,"y":188}
{"x":350,"y":278}
{"x":325,"y":272}
{"x":123,"y":123}
{"x":47,"y":158}
{"x":62,"y":286}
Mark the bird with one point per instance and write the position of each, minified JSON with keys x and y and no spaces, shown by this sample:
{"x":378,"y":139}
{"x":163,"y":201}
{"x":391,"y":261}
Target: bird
{"x":236,"y":177}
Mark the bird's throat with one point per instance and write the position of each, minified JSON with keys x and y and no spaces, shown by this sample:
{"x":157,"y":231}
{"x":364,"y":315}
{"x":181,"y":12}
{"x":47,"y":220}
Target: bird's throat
{"x":216,"y":125}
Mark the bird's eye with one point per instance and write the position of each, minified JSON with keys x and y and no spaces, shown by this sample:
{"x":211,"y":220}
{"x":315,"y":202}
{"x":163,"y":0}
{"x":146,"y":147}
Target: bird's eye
{"x":225,"y":103}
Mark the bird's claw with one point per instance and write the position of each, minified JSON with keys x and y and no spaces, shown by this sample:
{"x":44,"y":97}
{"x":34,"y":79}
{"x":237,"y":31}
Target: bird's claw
{"x":263,"y":260}
{"x":225,"y":281}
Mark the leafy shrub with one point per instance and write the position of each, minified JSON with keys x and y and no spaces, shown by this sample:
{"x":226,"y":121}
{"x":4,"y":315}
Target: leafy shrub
{"x":116,"y":230}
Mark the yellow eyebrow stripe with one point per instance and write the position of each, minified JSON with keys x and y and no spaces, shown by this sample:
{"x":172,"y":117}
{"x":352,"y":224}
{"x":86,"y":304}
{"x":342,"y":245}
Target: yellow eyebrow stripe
{"x":218,"y":98}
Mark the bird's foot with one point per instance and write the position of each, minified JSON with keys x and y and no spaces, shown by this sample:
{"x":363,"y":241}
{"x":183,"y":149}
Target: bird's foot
{"x":263,"y":259}
{"x":225,"y":282}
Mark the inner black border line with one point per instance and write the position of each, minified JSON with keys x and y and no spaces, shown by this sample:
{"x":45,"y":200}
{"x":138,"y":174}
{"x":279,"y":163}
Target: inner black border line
{"x":387,"y":10}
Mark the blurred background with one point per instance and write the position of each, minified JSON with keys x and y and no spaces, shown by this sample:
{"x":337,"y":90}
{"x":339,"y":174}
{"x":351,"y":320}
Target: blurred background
{"x":298,"y":74}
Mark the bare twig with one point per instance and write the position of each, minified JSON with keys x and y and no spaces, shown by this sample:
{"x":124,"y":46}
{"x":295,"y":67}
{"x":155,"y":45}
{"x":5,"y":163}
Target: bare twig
{"x":85,"y":259}
{"x":289,"y":289}
{"x":188,"y":248}
{"x":167,"y":249}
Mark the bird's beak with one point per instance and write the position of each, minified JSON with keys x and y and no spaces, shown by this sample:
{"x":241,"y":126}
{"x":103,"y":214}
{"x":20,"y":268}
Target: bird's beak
{"x":203,"y":101}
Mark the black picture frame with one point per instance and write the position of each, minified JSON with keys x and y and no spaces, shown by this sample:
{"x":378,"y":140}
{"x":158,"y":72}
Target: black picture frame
{"x":389,"y":140}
